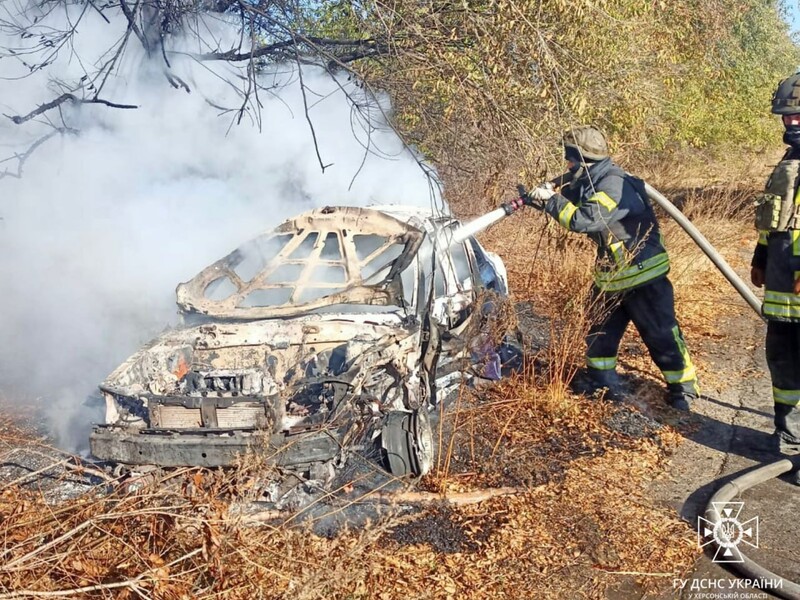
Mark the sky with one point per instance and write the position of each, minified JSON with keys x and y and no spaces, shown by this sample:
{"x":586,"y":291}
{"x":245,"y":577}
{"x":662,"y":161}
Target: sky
{"x":793,"y":14}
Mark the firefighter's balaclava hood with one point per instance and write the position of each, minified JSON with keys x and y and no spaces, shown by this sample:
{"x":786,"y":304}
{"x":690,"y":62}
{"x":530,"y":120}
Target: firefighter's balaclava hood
{"x":786,"y":101}
{"x":584,"y":145}
{"x":573,"y":156}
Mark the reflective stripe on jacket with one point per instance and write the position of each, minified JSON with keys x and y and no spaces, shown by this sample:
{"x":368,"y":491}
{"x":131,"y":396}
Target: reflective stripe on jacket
{"x":612,"y":208}
{"x":780,"y":258}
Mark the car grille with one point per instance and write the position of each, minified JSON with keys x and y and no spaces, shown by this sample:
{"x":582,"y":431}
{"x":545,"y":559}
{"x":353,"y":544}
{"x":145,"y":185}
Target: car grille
{"x":240,"y":415}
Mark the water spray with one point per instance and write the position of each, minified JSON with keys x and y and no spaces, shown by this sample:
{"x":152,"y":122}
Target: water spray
{"x":487,"y":220}
{"x":506,"y":209}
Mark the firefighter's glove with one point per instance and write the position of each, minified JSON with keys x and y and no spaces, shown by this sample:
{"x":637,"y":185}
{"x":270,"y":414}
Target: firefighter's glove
{"x":796,"y":288}
{"x":536,"y":198}
{"x":542,"y":193}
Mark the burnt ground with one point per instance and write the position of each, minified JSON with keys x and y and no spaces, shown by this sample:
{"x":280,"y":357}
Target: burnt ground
{"x":30,"y":460}
{"x":728,"y":434}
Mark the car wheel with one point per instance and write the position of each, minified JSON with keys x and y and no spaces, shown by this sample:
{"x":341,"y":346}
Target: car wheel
{"x":407,"y":443}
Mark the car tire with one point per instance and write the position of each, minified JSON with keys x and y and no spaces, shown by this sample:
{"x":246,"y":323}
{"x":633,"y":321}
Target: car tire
{"x":407,"y":443}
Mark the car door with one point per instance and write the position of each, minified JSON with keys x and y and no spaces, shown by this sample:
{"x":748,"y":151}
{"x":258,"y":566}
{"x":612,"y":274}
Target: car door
{"x":489,"y":267}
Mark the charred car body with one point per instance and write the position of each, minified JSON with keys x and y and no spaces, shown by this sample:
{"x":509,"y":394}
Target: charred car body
{"x":336,"y":331}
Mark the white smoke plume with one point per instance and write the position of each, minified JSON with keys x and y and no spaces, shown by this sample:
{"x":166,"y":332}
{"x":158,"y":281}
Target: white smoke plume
{"x":103,"y":223}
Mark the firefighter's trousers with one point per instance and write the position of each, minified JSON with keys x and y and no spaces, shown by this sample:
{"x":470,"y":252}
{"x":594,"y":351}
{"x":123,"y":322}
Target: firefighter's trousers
{"x":783,"y":359}
{"x":652,"y":310}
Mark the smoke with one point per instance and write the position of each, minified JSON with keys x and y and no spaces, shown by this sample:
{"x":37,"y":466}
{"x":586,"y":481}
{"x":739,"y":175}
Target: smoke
{"x":106,"y":220}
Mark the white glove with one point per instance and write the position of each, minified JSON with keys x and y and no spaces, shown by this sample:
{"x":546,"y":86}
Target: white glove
{"x":543,"y":192}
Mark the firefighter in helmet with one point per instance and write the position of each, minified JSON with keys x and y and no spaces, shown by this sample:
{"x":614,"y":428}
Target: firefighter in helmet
{"x":776,"y":266}
{"x":613,"y":209}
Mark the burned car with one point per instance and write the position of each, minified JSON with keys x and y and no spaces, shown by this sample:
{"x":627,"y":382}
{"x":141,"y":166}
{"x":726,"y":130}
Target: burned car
{"x":339,"y":330}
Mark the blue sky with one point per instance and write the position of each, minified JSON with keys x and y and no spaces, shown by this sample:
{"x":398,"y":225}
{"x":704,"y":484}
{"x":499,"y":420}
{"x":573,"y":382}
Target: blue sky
{"x":793,"y":14}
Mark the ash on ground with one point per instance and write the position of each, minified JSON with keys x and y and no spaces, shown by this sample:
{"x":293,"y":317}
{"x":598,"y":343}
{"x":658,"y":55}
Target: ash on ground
{"x":633,"y":424}
{"x":447,"y":531}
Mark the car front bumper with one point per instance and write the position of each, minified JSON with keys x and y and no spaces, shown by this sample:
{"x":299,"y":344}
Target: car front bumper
{"x":222,"y":448}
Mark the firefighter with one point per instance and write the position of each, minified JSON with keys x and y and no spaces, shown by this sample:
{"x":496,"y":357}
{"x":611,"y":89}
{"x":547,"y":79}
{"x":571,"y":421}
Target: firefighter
{"x":776,"y":266}
{"x":631,"y":284}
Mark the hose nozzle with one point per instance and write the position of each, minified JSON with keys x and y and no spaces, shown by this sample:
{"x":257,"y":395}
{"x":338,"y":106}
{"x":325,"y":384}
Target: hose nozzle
{"x":512,"y":206}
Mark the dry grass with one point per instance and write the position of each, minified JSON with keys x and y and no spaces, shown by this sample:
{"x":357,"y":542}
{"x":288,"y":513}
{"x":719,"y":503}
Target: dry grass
{"x":180,"y":538}
{"x":582,"y":521}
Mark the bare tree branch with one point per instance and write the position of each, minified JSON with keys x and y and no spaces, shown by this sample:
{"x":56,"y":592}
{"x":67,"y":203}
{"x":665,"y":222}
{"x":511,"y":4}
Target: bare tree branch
{"x":268,"y":31}
{"x":322,"y":165}
{"x":131,"y":16}
{"x":360,"y":49}
{"x":21,"y":158}
{"x":17,"y":119}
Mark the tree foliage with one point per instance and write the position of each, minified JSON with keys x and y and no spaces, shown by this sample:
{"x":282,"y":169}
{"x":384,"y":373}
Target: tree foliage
{"x":503,"y":77}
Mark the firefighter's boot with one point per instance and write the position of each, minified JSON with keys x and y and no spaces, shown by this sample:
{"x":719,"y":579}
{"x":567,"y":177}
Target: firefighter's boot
{"x":680,"y":400}
{"x":596,"y":382}
{"x":784,"y":448}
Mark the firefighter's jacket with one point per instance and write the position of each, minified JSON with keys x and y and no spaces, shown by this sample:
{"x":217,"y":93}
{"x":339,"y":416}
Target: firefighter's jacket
{"x":613,"y":209}
{"x":778,"y":254}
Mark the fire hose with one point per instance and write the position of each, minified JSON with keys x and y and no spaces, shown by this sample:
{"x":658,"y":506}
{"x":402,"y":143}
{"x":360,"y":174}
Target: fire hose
{"x":719,"y":262}
{"x":747,"y":567}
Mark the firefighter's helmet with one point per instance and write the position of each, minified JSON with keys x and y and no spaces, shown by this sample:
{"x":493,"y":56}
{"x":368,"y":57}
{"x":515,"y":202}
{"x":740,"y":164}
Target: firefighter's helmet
{"x":588,"y":140}
{"x":786,"y":99}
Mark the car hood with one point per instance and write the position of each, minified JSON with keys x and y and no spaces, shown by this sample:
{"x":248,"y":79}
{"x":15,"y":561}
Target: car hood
{"x":282,"y":344}
{"x":329,"y":256}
